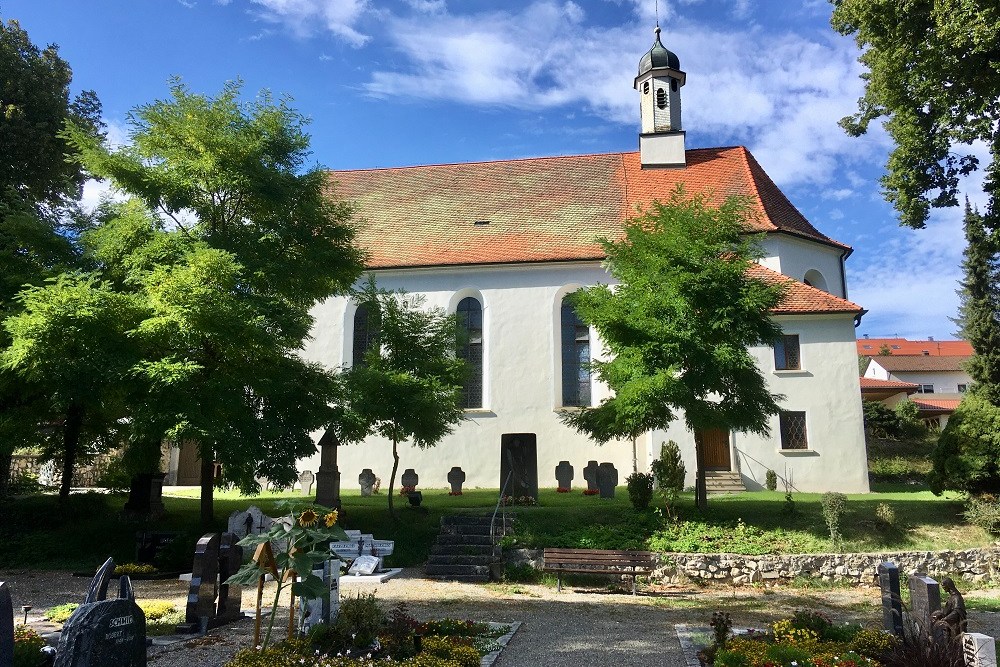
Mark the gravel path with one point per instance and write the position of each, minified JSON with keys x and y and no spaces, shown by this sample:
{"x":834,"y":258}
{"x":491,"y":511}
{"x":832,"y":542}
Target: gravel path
{"x":568,"y":628}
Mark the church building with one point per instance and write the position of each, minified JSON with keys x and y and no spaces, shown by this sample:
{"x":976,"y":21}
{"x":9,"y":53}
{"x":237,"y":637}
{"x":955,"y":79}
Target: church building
{"x":503,"y":243}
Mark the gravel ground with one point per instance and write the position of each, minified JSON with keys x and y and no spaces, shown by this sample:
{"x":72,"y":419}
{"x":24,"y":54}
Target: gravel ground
{"x":569,"y":628}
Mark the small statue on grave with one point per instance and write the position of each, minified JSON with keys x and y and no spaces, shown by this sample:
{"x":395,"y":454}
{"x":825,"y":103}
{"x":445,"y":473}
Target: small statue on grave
{"x":952,"y":617}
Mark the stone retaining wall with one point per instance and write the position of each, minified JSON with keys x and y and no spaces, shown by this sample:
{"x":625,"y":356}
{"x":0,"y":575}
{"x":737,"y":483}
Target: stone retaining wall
{"x":49,"y":473}
{"x":973,"y":565}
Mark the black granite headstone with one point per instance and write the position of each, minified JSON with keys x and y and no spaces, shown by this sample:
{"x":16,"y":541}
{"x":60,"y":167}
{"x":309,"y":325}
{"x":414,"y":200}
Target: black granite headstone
{"x":590,"y":474}
{"x":230,"y":595}
{"x":104,"y":633}
{"x":564,"y":475}
{"x":204,"y":583}
{"x":6,"y":626}
{"x":367,"y":480}
{"x":892,"y":603}
{"x":607,"y":479}
{"x":519,"y":457}
{"x":456,"y":477}
{"x":409,"y":478}
{"x":925,"y":599}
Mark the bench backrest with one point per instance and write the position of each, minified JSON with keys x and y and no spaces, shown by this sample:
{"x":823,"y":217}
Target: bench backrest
{"x":597,"y":557}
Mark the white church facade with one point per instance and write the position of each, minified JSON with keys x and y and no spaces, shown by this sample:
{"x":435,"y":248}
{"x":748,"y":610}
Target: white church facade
{"x":503,"y":243}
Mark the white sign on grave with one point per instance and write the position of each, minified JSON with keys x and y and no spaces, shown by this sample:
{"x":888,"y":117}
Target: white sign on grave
{"x":979,"y":650}
{"x":363,"y":565}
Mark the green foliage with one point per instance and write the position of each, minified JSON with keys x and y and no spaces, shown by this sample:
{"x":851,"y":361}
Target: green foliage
{"x":640,"y":489}
{"x":359,"y":622}
{"x":967,"y":456}
{"x":668,"y":470}
{"x":722,"y":628}
{"x":834,"y":505}
{"x":27,"y":647}
{"x":880,"y":420}
{"x":984,"y":511}
{"x":61,"y":613}
{"x":885,"y":514}
{"x":910,"y":424}
{"x":771,"y":481}
{"x":872,"y":643}
{"x":735,"y":537}
{"x":156,"y":609}
{"x":447,"y":648}
{"x":979,"y":309}
{"x":135,"y":568}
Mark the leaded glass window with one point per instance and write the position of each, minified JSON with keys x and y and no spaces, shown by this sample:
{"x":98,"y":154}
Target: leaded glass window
{"x":575,"y":358}
{"x":786,"y":353}
{"x":793,"y":430}
{"x":365,"y":331}
{"x":470,"y":349}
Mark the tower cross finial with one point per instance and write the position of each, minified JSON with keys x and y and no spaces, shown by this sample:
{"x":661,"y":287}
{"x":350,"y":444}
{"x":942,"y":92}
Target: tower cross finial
{"x":656,"y":8}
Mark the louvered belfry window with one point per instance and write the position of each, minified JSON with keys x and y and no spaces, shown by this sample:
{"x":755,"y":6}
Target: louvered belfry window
{"x":575,"y":358}
{"x":470,"y":349}
{"x":793,"y":430}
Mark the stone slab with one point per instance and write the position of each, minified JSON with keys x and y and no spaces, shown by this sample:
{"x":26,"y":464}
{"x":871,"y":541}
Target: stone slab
{"x":377,"y":578}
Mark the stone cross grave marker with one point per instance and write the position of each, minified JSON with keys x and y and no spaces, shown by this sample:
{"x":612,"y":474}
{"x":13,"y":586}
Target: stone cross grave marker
{"x":102,"y":632}
{"x":306,"y":479}
{"x":204,"y":587}
{"x":6,"y":626}
{"x":251,"y":521}
{"x":409,"y":478}
{"x":590,"y":474}
{"x":925,"y":599}
{"x":456,"y":477}
{"x":230,"y":595}
{"x":892,"y":603}
{"x":979,"y":650}
{"x":367,"y":480}
{"x":607,"y":479}
{"x":564,"y":475}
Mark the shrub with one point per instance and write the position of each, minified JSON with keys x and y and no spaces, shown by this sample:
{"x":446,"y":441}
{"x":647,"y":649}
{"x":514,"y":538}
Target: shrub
{"x":134,"y":568}
{"x":722,"y":628}
{"x":156,"y":609}
{"x":61,"y":613}
{"x":668,"y":471}
{"x":885,"y":514}
{"x":984,"y":511}
{"x":872,"y":643}
{"x":357,"y":626}
{"x":967,"y":456}
{"x":448,"y":648}
{"x":27,"y":644}
{"x":640,"y":489}
{"x":834,"y":505}
{"x":910,"y":424}
{"x":816,"y":621}
{"x":771,"y":480}
{"x":881,"y":421}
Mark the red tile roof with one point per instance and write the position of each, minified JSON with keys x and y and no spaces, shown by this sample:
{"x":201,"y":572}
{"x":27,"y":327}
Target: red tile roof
{"x":895,"y":362}
{"x":875,"y":385}
{"x":936,"y":404}
{"x":901,"y":346}
{"x":540,"y":209}
{"x":801,"y":298}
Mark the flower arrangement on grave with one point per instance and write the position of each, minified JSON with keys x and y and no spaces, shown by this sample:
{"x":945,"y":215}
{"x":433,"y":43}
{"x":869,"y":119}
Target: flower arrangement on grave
{"x":288,"y":552}
{"x":563,"y":489}
{"x":518,"y":500}
{"x":591,"y":492}
{"x":407,"y":490}
{"x":454,"y":493}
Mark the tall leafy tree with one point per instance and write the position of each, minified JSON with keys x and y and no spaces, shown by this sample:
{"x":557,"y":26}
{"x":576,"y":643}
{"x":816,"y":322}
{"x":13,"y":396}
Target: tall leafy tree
{"x":679,"y":325}
{"x":408,"y":385}
{"x":246,"y":241}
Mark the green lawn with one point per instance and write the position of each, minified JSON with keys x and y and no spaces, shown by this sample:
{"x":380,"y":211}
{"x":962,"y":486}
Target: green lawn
{"x":38,"y":533}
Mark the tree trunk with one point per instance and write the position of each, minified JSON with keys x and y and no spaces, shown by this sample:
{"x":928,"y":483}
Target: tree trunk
{"x":700,"y":490}
{"x":207,"y":486}
{"x":635,"y":457}
{"x":71,"y":444}
{"x":392,"y":477}
{"x":5,"y":464}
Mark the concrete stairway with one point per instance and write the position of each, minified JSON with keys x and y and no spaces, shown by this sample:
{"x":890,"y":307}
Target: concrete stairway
{"x":719,"y":482}
{"x":464,"y":550}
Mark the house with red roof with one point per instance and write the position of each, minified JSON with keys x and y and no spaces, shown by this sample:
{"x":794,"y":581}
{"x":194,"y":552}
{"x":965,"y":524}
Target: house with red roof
{"x":938,"y":381}
{"x":502,"y":244}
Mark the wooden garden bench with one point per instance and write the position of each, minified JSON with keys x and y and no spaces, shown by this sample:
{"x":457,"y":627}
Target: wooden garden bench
{"x":597,"y":561}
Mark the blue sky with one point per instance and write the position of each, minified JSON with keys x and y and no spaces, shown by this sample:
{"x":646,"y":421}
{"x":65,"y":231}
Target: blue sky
{"x":403,"y":82}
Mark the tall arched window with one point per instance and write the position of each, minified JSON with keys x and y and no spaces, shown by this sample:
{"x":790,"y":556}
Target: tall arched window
{"x":575,"y":358}
{"x":365,"y":331}
{"x":470,"y":348}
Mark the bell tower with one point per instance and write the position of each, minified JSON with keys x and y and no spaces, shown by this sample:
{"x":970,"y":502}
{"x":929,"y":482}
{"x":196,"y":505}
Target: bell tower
{"x":661,"y":139}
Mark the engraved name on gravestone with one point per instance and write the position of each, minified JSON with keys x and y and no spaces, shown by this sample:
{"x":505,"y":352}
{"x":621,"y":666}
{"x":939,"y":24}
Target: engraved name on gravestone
{"x":104,"y":633}
{"x":892,"y":603}
{"x":590,"y":474}
{"x":564,"y":475}
{"x":456,"y":477}
{"x":6,"y":626}
{"x":367,"y":480}
{"x":364,"y":565}
{"x":925,"y":599}
{"x":409,"y":477}
{"x":306,"y":479}
{"x":607,"y":479}
{"x":979,"y":650}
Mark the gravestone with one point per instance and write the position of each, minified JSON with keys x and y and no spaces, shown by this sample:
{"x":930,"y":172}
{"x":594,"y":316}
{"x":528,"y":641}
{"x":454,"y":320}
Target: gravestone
{"x":564,"y":475}
{"x":230,"y":595}
{"x":306,"y":480}
{"x":204,"y":584}
{"x":322,"y":609}
{"x":925,"y":599}
{"x":328,"y":475}
{"x":409,"y":478}
{"x":6,"y":626}
{"x":979,"y":650}
{"x":149,"y":545}
{"x":364,"y":565}
{"x":251,"y":521}
{"x":590,"y":474}
{"x":102,"y":632}
{"x":892,"y":603}
{"x":367,"y":480}
{"x":607,"y":479}
{"x":456,"y":477}
{"x":519,"y":459}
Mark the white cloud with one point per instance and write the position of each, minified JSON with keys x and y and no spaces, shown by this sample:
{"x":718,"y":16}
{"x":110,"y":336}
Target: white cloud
{"x":306,"y":17}
{"x":427,"y":6}
{"x":838,"y":194}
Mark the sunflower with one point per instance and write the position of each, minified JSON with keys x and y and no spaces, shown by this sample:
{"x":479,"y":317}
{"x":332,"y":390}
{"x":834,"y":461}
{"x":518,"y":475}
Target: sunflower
{"x":330,"y":519}
{"x":308,"y":519}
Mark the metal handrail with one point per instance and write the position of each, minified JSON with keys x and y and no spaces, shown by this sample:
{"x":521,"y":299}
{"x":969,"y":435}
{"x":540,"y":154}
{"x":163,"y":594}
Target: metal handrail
{"x":503,"y":516}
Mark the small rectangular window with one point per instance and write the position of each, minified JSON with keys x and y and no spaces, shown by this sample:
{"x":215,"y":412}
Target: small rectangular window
{"x":925,"y":389}
{"x":793,"y":430}
{"x":962,"y":388}
{"x":786,"y":353}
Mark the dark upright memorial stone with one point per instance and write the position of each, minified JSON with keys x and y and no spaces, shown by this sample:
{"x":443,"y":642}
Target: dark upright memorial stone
{"x":925,"y":599}
{"x":328,"y":475}
{"x":892,"y":603}
{"x":104,"y":633}
{"x":607,"y":479}
{"x":456,"y":478}
{"x":6,"y":627}
{"x":99,"y":584}
{"x":519,"y":458}
{"x":590,"y":474}
{"x":409,"y":478}
{"x":204,"y":584}
{"x":367,"y":481}
{"x":230,"y":595}
{"x":564,"y":475}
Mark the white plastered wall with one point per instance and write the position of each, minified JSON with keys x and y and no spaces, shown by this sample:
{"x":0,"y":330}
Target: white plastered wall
{"x":796,"y":257}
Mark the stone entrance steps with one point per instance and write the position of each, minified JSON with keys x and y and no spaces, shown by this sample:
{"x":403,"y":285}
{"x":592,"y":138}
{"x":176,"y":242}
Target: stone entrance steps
{"x":719,"y":482}
{"x":464,"y":550}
